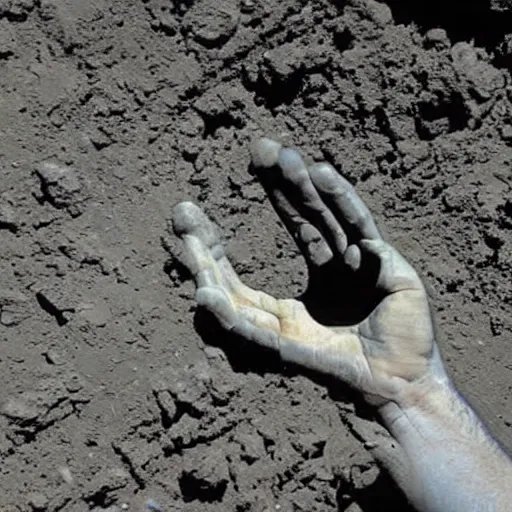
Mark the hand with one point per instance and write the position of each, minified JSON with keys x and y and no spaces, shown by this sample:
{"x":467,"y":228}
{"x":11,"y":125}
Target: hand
{"x":376,"y":332}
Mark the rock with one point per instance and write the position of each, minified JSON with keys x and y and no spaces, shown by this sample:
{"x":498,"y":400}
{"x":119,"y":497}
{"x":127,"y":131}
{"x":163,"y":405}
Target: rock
{"x":436,"y":38}
{"x":37,"y":501}
{"x":7,"y":40}
{"x":167,"y":24}
{"x":137,"y":453}
{"x":310,"y":444}
{"x":217,"y":102}
{"x":455,"y":198}
{"x":97,"y":314}
{"x":500,"y":5}
{"x":55,"y":356}
{"x":5,"y":445}
{"x":153,"y":506}
{"x":16,"y":10}
{"x":189,"y":387}
{"x":482,"y":76}
{"x":212,"y":23}
{"x":497,"y":325}
{"x":48,"y":10}
{"x":103,"y":486}
{"x":354,"y":507}
{"x":378,"y":12}
{"x":55,"y":304}
{"x":7,"y":215}
{"x":99,"y":139}
{"x":50,"y":401}
{"x":284,"y":61}
{"x":251,"y":444}
{"x":73,"y":382}
{"x":60,"y":187}
{"x":489,"y":199}
{"x":166,"y":403}
{"x":14,"y":308}
{"x":362,"y":477}
{"x":205,"y":476}
{"x":247,"y":6}
{"x":20,"y":408}
{"x":66,"y":474}
{"x":506,"y":133}
{"x":184,"y":433}
{"x":89,"y":249}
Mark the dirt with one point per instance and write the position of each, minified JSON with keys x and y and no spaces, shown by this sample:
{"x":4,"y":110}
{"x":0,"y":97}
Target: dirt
{"x":115,"y":393}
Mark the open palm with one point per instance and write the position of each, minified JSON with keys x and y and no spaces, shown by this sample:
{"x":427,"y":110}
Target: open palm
{"x":368,"y":321}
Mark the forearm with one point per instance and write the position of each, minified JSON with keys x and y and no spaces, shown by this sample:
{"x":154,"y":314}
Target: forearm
{"x":450,"y":463}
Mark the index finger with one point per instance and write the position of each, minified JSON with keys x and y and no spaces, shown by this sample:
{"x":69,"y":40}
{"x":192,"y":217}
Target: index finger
{"x":344,"y":202}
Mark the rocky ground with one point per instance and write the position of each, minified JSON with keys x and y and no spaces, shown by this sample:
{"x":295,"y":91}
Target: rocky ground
{"x":115,"y":395}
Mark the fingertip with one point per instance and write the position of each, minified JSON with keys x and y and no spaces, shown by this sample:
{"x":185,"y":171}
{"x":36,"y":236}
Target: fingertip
{"x":324,"y":176}
{"x":352,"y":257}
{"x":189,"y":219}
{"x":215,"y":300}
{"x":186,"y":217}
{"x":314,"y":245}
{"x":184,"y":207}
{"x":204,"y":296}
{"x":264,"y":152}
{"x":290,"y":161}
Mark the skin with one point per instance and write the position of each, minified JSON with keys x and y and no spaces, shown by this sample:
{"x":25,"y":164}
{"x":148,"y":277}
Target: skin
{"x":439,"y":452}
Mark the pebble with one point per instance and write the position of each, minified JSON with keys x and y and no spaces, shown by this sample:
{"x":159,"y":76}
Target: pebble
{"x":153,"y":506}
{"x":210,"y":23}
{"x":60,"y":186}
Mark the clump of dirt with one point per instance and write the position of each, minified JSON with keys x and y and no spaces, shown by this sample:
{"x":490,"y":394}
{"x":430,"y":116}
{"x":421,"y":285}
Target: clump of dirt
{"x":114,"y":392}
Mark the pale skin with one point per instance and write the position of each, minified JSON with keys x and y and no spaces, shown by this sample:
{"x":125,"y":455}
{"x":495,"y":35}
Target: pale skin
{"x":442,"y":456}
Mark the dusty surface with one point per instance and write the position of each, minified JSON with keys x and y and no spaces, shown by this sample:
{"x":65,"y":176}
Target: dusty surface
{"x":113,"y":392}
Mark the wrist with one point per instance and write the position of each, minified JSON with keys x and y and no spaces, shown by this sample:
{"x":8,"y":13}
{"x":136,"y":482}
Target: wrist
{"x":447,"y":449}
{"x":425,"y":398}
{"x":429,"y":395}
{"x":432,"y":412}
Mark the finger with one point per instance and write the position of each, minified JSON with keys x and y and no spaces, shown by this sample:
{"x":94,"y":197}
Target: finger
{"x":203,"y":247}
{"x":200,"y":262}
{"x":217,"y":301}
{"x":189,"y":219}
{"x":309,"y":240}
{"x":286,"y":179}
{"x":395,"y":273}
{"x":208,"y":262}
{"x":300,"y":189}
{"x":352,"y":257}
{"x":311,"y":243}
{"x":344,"y":202}
{"x":264,"y":153}
{"x":251,"y":324}
{"x":219,"y":288}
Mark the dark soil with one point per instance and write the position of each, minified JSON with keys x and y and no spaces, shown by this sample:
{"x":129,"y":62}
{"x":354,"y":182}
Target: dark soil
{"x":115,"y":394}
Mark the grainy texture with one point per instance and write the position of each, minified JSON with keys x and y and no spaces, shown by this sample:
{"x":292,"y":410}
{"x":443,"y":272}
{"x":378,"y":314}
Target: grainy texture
{"x":110,"y":113}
